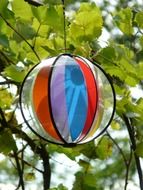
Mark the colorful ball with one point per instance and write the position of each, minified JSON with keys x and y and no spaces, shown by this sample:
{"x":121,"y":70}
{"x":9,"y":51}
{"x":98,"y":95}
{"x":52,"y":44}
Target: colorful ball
{"x":67,"y":100}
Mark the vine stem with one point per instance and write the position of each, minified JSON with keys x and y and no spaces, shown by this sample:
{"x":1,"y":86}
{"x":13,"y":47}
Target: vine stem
{"x":126,"y":162}
{"x":22,"y":37}
{"x":20,"y":171}
{"x":133,"y":142}
{"x":64,"y":26}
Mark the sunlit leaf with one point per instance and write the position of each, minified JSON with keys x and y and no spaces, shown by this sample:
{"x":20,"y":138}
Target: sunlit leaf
{"x":22,"y":9}
{"x":85,"y":165}
{"x":82,"y":28}
{"x":139,"y":19}
{"x":115,"y":125}
{"x":29,"y":176}
{"x":60,"y":187}
{"x":6,"y":99}
{"x":104,"y":148}
{"x":132,"y":81}
{"x":123,"y":19}
{"x":14,"y":72}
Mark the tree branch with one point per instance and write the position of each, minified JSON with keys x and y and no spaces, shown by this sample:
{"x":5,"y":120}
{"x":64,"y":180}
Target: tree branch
{"x":47,"y":169}
{"x":41,"y":151}
{"x":126,"y":162}
{"x":118,"y":147}
{"x":27,"y":163}
{"x":36,"y":35}
{"x":127,"y":170}
{"x":133,"y":142}
{"x":64,"y":26}
{"x":9,"y":82}
{"x":2,"y":120}
{"x":20,"y":171}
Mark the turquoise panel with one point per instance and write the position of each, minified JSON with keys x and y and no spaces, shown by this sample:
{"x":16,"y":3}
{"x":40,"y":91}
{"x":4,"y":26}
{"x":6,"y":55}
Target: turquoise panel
{"x":76,"y":99}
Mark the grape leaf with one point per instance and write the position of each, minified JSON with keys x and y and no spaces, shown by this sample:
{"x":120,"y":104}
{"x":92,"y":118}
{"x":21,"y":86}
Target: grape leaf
{"x":104,"y":148}
{"x":139,"y":149}
{"x":139,"y":19}
{"x":123,"y":20}
{"x":7,"y":142}
{"x":16,"y":73}
{"x":22,"y":9}
{"x":4,"y":40}
{"x":85,"y":27}
{"x":6,"y":99}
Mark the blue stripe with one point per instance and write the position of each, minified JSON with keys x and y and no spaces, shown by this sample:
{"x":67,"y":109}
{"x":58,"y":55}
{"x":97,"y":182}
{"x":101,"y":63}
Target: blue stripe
{"x":76,"y":99}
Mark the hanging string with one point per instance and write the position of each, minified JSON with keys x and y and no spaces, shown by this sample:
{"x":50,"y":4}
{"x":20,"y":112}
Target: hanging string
{"x":64,"y":26}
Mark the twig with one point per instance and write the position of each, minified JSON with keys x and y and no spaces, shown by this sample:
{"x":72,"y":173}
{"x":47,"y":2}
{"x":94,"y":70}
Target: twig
{"x":46,"y":165}
{"x":127,"y":170}
{"x":27,"y":163}
{"x":2,"y":119}
{"x":118,"y":147}
{"x":41,"y":151}
{"x":22,"y":37}
{"x":64,"y":26}
{"x":20,"y":171}
{"x":6,"y":58}
{"x":133,"y":142}
{"x":8,"y":82}
{"x":36,"y":35}
{"x":126,"y":162}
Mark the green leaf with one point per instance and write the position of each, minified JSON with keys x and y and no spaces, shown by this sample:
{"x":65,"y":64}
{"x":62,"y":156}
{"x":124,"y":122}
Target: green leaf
{"x":3,"y":5}
{"x":141,"y":41}
{"x":7,"y":142}
{"x":87,"y":24}
{"x":29,"y":176}
{"x":14,"y":72}
{"x":50,"y":15}
{"x":116,"y":71}
{"x":60,"y":187}
{"x":139,"y":150}
{"x":84,"y":150}
{"x":39,"y":13}
{"x":139,"y":19}
{"x":104,"y":148}
{"x":6,"y":99}
{"x":85,"y":165}
{"x":51,"y":51}
{"x":107,"y":56}
{"x":46,"y":15}
{"x":140,"y":70}
{"x":4,"y":40}
{"x":22,"y":9}
{"x":4,"y":11}
{"x":89,"y":181}
{"x":132,"y":81}
{"x":115,"y":125}
{"x":69,"y":152}
{"x":123,"y":20}
{"x":86,"y":181}
{"x":24,"y":29}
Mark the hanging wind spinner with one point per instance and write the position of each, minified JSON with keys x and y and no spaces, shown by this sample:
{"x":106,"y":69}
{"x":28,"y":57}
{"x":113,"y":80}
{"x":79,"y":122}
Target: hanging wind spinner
{"x":67,"y":100}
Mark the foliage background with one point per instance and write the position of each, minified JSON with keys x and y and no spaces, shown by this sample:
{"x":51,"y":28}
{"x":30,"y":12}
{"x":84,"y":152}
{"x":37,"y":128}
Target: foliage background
{"x":30,"y":33}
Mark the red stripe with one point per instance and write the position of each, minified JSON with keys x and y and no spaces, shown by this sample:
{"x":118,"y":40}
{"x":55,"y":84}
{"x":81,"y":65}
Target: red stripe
{"x":92,"y":96}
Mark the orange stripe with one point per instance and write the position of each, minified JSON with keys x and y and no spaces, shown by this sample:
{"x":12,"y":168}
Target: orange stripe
{"x":40,"y":101}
